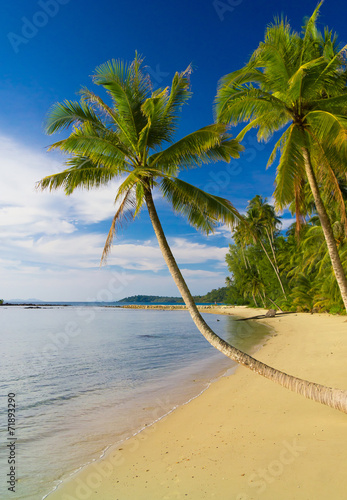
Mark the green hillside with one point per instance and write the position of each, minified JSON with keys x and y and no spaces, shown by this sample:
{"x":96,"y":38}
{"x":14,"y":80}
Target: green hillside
{"x":219,"y":295}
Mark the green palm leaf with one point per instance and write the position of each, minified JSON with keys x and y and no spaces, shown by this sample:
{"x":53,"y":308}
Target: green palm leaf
{"x":201,"y":146}
{"x":83,"y":173}
{"x":203,"y":210}
{"x":62,"y":115}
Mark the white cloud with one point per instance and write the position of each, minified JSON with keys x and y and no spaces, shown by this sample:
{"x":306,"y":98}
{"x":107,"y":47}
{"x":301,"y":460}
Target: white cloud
{"x":223,"y":230}
{"x":200,"y":273}
{"x":287,"y":222}
{"x":46,"y":254}
{"x":194,"y":253}
{"x":22,"y":205}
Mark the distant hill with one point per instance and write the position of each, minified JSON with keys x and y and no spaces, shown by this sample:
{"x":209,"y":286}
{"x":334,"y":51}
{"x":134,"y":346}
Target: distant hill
{"x":217,"y":295}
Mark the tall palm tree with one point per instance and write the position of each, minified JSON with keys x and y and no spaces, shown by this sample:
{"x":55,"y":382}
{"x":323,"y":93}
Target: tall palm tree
{"x":257,"y":224}
{"x":270,"y":221}
{"x":125,"y":139}
{"x":297,"y":83}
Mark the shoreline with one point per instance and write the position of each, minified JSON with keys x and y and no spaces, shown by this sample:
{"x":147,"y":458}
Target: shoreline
{"x":205,"y":372}
{"x":155,"y":462}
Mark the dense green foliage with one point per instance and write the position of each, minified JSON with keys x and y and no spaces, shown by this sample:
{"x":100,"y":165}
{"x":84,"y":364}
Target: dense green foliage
{"x":219,"y":295}
{"x":303,"y":264}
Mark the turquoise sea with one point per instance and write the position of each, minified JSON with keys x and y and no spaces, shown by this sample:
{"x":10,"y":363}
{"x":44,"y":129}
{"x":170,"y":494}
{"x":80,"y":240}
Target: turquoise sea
{"x":86,"y":378}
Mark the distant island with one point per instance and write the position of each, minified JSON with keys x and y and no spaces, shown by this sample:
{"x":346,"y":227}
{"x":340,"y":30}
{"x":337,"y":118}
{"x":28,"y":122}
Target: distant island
{"x":217,"y":295}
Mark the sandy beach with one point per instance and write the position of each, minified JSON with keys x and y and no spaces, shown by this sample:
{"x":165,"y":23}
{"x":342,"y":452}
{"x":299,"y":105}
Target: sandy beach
{"x":244,"y":438}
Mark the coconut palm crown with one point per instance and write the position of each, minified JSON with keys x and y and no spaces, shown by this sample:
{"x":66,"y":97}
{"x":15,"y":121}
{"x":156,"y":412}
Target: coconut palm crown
{"x":124,"y":140}
{"x":296,"y":83}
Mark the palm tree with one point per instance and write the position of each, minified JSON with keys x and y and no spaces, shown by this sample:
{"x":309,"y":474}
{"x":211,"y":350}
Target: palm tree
{"x":260,"y":220}
{"x":256,"y":225}
{"x":297,"y":83}
{"x":126,"y":140}
{"x":269,"y":219}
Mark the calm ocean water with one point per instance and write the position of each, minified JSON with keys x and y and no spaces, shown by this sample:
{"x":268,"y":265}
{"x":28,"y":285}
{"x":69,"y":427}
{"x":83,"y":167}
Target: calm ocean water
{"x":88,"y":377}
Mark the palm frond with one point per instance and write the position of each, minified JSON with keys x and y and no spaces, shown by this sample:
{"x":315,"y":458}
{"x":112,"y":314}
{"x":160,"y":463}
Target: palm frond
{"x":179,"y":95}
{"x":62,"y":115}
{"x":246,"y":104}
{"x":83,"y":173}
{"x":114,"y":118}
{"x":328,"y":126}
{"x":159,"y":126}
{"x":124,"y":214}
{"x":290,"y":168}
{"x":203,"y":210}
{"x":207,"y":144}
{"x":99,"y":148}
{"x":126,"y":85}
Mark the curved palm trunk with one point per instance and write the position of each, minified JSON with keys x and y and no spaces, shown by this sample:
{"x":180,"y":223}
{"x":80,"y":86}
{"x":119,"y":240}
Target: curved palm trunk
{"x":334,"y":398}
{"x":327,"y":229}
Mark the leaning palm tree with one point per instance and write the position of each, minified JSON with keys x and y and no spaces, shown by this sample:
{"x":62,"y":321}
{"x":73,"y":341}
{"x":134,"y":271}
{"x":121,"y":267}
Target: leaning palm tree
{"x":125,"y":140}
{"x":297,"y":83}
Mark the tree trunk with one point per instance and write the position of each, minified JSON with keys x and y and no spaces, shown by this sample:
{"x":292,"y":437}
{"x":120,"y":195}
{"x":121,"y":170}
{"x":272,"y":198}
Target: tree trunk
{"x":272,"y":248}
{"x":327,"y":229}
{"x":274,"y":303}
{"x":244,"y":257}
{"x":274,"y":267}
{"x":262,"y":299}
{"x":334,"y":398}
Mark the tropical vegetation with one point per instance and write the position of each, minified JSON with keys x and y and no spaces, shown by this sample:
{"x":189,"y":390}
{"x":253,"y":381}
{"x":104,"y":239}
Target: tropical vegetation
{"x":302,"y":262}
{"x":131,"y":139}
{"x":296,"y":83}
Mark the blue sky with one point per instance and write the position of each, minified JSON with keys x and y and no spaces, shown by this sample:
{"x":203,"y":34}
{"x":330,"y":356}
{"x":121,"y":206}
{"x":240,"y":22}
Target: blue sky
{"x":51,"y":244}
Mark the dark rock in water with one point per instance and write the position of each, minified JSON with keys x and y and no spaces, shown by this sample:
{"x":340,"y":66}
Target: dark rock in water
{"x":271,"y":313}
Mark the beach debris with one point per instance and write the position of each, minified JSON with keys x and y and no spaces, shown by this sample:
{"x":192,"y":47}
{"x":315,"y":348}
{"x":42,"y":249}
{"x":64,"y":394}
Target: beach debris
{"x":262,"y":316}
{"x":271,"y":313}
